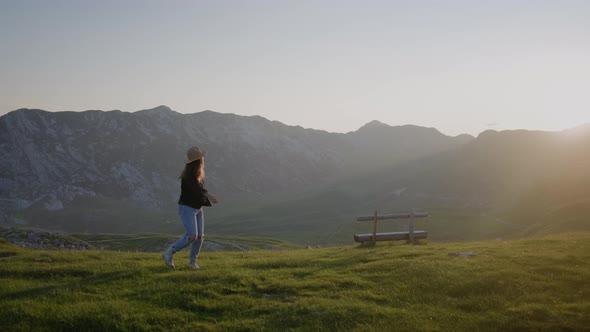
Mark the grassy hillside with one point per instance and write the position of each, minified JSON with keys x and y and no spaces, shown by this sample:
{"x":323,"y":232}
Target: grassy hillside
{"x":533,"y":284}
{"x":305,"y":221}
{"x":560,"y":203}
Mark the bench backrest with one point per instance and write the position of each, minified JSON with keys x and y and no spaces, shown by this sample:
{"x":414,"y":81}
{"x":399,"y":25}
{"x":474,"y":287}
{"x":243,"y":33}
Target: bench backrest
{"x":394,"y":216}
{"x":409,"y":215}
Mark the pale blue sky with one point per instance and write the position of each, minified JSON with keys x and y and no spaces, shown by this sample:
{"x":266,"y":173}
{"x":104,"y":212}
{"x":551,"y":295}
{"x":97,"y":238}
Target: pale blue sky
{"x":459,"y":66}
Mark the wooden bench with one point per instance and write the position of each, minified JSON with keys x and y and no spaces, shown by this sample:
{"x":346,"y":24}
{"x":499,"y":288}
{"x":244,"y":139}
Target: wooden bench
{"x":410,"y":236}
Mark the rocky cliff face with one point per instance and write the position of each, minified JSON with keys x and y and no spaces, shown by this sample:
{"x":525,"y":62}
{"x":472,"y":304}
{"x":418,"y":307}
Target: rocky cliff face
{"x":51,"y":159}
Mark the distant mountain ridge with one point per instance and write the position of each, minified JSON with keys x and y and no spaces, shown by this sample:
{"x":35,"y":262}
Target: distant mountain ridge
{"x":537,"y":181}
{"x":60,"y":161}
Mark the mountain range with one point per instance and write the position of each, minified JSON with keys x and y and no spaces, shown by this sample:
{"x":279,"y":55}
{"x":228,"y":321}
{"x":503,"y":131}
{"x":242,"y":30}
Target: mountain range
{"x":115,"y":171}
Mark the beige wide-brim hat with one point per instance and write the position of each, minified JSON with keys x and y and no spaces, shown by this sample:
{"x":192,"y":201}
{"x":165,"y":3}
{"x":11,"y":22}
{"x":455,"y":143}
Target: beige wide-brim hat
{"x":195,"y":153}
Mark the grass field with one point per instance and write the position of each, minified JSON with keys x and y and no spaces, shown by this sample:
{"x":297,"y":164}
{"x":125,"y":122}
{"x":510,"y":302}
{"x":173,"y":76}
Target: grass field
{"x":532,"y":284}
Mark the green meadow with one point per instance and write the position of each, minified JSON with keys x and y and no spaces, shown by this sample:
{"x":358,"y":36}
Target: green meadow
{"x":530,"y":284}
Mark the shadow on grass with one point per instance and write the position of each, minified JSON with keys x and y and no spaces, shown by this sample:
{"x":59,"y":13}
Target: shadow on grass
{"x":46,"y":274}
{"x":98,"y":279}
{"x":4,"y":254}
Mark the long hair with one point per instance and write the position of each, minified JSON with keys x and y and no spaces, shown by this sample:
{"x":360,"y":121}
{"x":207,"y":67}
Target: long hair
{"x":196,"y":169}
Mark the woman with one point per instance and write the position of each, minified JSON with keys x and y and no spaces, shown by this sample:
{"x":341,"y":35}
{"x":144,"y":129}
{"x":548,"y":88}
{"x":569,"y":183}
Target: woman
{"x":193,"y":196}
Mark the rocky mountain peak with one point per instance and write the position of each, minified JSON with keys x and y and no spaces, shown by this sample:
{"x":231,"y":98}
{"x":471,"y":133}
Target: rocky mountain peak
{"x":373,"y":124}
{"x":162,"y":109}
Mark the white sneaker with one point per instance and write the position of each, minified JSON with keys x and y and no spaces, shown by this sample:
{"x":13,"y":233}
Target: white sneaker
{"x":167,"y":256}
{"x":193,"y":265}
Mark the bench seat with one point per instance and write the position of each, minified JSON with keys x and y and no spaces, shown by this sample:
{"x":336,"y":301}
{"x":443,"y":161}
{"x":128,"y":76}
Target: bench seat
{"x":390,"y":236}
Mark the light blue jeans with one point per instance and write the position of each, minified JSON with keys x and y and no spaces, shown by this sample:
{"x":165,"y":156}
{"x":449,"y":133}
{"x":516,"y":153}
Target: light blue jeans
{"x":193,"y":222}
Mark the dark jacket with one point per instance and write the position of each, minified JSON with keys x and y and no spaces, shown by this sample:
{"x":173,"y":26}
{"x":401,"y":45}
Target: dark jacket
{"x":192,"y":193}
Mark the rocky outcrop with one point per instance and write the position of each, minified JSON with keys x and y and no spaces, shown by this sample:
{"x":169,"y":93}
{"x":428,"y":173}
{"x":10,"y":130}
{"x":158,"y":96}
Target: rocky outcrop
{"x":35,"y":239}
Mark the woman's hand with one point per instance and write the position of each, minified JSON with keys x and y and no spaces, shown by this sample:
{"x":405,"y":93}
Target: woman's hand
{"x":212,"y":198}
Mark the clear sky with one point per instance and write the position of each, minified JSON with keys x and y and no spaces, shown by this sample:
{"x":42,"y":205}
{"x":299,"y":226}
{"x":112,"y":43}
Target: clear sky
{"x":458,"y":66}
